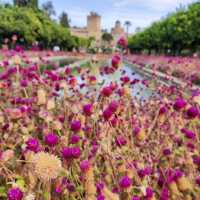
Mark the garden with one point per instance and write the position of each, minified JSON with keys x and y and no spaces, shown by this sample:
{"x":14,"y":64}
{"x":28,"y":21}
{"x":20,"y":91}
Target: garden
{"x":93,"y":133}
{"x":118,"y":126}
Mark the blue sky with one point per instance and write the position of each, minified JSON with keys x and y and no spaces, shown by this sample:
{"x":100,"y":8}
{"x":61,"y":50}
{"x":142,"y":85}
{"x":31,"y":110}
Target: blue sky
{"x":141,"y":13}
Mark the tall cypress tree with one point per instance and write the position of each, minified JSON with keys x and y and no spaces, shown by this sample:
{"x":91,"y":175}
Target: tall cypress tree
{"x":20,"y":2}
{"x":29,"y":3}
{"x":33,"y":3}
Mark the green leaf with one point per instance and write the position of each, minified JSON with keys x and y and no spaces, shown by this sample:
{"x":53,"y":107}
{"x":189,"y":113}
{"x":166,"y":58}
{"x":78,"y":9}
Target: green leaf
{"x":46,"y":196}
{"x":3,"y":191}
{"x":21,"y":184}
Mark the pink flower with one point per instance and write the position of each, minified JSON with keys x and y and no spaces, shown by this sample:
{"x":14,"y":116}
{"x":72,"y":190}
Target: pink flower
{"x":113,"y":106}
{"x":51,"y":139}
{"x":189,"y":134}
{"x":15,"y":194}
{"x":106,"y":91}
{"x":84,"y":165}
{"x":71,"y":152}
{"x":122,"y":42}
{"x":115,"y":61}
{"x":125,"y":182}
{"x":32,"y":145}
{"x":120,"y":140}
{"x":179,"y":104}
{"x":149,"y":192}
{"x":87,"y":109}
{"x":76,"y":126}
{"x":75,"y":139}
{"x":192,"y":112}
{"x":198,"y":180}
{"x":107,"y":114}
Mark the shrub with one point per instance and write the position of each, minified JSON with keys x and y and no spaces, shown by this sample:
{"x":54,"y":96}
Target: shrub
{"x":32,"y":25}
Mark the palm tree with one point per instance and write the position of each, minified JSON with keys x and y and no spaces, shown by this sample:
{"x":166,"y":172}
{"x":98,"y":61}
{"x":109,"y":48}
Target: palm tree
{"x":127,"y":24}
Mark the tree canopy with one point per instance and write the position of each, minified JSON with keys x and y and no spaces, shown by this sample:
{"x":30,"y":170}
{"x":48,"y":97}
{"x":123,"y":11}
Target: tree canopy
{"x":107,"y":37}
{"x":30,"y":3}
{"x":178,"y":32}
{"x":48,"y":8}
{"x":33,"y":25}
{"x":64,"y":20}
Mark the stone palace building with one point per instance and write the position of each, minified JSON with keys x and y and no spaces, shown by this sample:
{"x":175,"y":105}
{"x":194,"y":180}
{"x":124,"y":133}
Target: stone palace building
{"x":93,"y":29}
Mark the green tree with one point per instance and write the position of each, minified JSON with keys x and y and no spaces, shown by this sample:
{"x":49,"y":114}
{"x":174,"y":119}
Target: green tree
{"x":32,"y":25}
{"x":64,"y":20}
{"x":30,"y":3}
{"x":178,"y":32}
{"x":48,"y":8}
{"x":107,"y":37}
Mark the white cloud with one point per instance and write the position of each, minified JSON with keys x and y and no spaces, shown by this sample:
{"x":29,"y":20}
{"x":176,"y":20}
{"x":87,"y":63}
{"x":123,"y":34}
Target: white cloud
{"x":156,"y":5}
{"x":141,"y":13}
{"x":137,"y":19}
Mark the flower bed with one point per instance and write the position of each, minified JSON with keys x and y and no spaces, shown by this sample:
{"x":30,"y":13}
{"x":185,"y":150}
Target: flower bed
{"x":184,"y":68}
{"x":103,"y":144}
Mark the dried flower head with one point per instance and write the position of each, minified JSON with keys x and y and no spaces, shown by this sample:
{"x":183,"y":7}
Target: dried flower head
{"x":46,"y":166}
{"x":29,"y":196}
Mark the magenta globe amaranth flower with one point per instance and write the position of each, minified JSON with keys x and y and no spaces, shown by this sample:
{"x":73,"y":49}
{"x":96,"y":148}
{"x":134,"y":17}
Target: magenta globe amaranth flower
{"x":177,"y":174}
{"x":144,"y":172}
{"x":68,"y":71}
{"x":113,"y":106}
{"x":179,"y":104}
{"x":106,"y":91}
{"x":196,"y":160}
{"x":149,"y":192}
{"x":122,"y":42}
{"x":114,"y":121}
{"x":135,"y":198}
{"x":67,"y":153}
{"x":71,"y":152}
{"x":107,"y":114}
{"x":136,"y":130}
{"x":12,"y":70}
{"x":58,"y":189}
{"x":51,"y":139}
{"x":125,"y":182}
{"x":70,"y":187}
{"x":115,"y":61}
{"x":166,"y":151}
{"x":100,"y":197}
{"x":163,"y":110}
{"x":15,"y":194}
{"x":24,"y":83}
{"x":76,"y":125}
{"x":100,"y":186}
{"x":198,"y":180}
{"x":192,"y":112}
{"x":32,"y":145}
{"x":120,"y":140}
{"x":87,"y":109}
{"x":165,"y":194}
{"x":125,"y":79}
{"x":188,"y":134}
{"x":75,"y":139}
{"x":84,"y":165}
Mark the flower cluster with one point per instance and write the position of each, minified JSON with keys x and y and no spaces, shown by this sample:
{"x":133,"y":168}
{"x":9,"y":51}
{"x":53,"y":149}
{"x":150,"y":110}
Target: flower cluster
{"x":95,"y":133}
